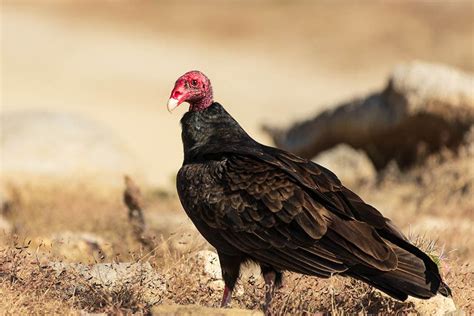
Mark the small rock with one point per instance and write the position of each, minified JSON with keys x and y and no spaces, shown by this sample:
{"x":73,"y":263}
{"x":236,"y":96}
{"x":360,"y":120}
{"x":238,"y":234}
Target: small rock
{"x":209,"y":261}
{"x":435,"y":306}
{"x":217,"y":285}
{"x":211,"y":274}
{"x":116,"y":276}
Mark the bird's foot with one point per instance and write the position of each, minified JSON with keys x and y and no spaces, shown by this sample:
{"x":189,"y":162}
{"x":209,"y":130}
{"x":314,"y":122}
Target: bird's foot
{"x":269,"y":278}
{"x":226,"y":298}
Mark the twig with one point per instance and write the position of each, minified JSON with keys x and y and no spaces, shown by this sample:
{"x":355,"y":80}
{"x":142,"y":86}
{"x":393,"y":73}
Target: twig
{"x":132,"y":198}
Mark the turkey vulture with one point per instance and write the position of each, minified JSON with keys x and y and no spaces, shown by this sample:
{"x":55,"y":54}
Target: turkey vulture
{"x":262,"y":204}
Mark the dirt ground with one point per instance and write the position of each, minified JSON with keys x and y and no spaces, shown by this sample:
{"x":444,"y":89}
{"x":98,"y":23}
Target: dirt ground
{"x":270,"y":62}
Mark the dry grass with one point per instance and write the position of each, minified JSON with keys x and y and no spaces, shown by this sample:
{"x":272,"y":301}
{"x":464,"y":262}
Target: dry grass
{"x":34,"y":287}
{"x":29,"y":285}
{"x":25,"y":287}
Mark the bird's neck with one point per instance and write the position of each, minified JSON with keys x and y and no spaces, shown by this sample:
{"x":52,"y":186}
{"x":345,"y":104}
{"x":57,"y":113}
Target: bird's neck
{"x":209,"y":131}
{"x":202,"y":103}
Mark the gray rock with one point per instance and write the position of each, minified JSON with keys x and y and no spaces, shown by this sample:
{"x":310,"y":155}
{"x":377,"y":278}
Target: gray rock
{"x":436,"y":306}
{"x":117,"y":276}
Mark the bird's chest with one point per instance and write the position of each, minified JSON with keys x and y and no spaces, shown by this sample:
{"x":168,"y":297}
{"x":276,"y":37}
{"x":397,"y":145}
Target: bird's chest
{"x":201,"y":192}
{"x":200,"y":189}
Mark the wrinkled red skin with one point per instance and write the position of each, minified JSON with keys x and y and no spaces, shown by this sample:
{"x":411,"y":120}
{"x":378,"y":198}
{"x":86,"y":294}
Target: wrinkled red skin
{"x":195,"y":88}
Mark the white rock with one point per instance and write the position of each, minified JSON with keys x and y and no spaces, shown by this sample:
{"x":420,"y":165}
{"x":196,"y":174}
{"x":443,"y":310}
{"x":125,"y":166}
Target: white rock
{"x":216,"y":285}
{"x":209,"y":261}
{"x":435,"y":306}
{"x":116,"y":276}
{"x":250,"y":272}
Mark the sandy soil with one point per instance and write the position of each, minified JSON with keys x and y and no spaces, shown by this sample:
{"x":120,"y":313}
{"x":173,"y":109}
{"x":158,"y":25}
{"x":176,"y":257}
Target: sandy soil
{"x":116,"y":62}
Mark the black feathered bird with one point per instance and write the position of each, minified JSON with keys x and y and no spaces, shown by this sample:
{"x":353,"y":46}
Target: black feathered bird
{"x":257,"y":203}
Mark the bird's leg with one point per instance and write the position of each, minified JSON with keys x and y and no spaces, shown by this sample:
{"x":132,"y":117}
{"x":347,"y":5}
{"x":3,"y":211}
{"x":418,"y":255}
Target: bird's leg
{"x":269,"y":277}
{"x":230,"y":266}
{"x":226,"y":297}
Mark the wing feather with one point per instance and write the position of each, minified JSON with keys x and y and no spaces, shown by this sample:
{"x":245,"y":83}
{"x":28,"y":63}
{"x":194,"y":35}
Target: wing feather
{"x":260,"y":210}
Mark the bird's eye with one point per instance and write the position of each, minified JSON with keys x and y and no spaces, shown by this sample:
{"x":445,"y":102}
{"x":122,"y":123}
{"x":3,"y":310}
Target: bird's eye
{"x":194,"y":82}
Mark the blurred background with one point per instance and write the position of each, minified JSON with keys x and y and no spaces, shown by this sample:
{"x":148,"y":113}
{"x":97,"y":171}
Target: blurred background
{"x":115,"y":62}
{"x":84,"y":88}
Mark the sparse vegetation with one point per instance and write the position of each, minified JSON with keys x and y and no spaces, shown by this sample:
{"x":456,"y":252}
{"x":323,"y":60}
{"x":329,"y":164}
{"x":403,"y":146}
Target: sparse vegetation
{"x":29,"y":283}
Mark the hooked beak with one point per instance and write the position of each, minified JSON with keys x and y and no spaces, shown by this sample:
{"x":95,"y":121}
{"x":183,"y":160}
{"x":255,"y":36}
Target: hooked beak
{"x":178,"y":95}
{"x":173,"y":104}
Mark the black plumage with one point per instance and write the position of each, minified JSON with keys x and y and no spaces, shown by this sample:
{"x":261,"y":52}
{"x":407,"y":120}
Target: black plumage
{"x":259,"y":203}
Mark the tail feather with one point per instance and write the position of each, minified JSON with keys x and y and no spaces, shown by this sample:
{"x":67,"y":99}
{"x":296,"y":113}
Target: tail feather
{"x":445,"y":290}
{"x":412,"y":277}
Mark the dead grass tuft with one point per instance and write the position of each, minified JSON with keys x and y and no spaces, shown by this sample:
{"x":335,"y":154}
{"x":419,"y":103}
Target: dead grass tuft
{"x":23,"y":277}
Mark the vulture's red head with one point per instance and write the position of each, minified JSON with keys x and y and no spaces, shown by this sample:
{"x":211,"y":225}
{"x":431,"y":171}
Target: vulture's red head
{"x":194,"y":88}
